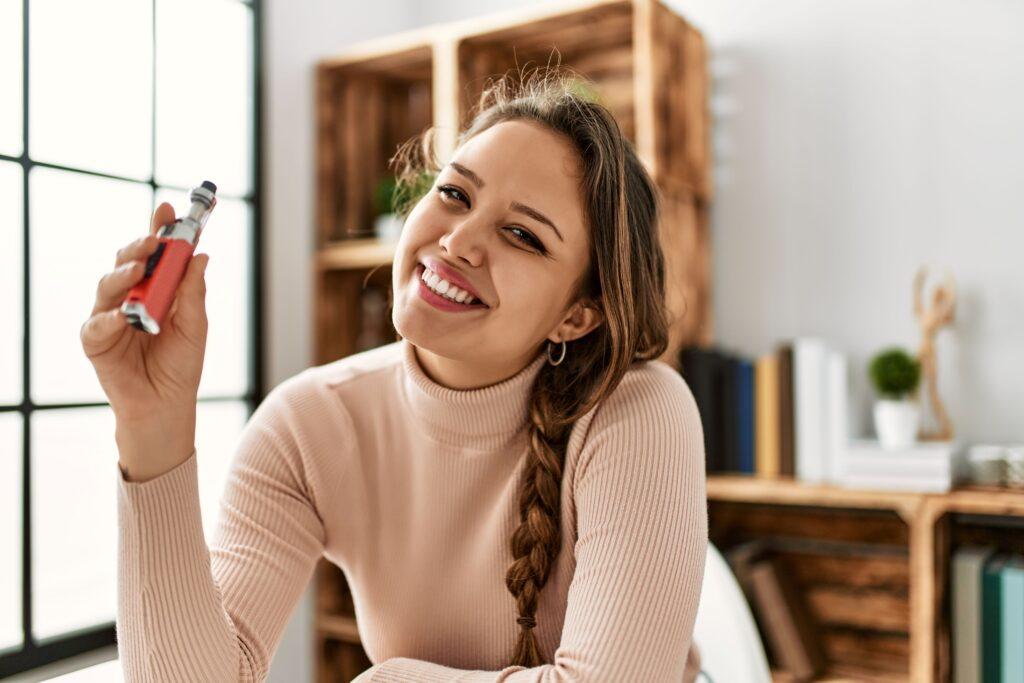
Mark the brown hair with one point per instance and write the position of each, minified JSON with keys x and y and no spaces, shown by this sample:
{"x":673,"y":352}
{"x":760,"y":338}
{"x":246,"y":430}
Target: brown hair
{"x":625,"y":279}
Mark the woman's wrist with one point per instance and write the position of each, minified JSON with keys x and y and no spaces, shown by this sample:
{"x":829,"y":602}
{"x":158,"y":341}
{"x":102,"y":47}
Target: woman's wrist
{"x":152,"y":447}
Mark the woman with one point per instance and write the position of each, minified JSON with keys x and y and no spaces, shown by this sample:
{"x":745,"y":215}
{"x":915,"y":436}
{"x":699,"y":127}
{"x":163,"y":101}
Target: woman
{"x":514,"y":489}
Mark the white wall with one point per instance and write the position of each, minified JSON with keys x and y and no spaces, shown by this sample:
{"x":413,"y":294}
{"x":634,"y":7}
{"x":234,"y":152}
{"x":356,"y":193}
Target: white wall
{"x":854,"y":140}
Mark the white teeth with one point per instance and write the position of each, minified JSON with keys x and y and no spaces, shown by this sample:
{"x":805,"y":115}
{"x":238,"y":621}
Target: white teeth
{"x":445,"y":288}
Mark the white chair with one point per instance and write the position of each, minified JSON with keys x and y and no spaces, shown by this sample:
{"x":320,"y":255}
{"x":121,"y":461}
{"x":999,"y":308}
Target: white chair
{"x":725,"y":632}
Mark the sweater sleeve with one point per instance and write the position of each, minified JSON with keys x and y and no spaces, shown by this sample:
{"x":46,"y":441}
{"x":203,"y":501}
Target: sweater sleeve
{"x":642,"y":539}
{"x":188,"y":612}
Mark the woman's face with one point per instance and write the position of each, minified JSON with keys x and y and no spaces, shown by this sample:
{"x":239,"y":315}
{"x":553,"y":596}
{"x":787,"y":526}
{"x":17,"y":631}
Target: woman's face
{"x":505,"y":216}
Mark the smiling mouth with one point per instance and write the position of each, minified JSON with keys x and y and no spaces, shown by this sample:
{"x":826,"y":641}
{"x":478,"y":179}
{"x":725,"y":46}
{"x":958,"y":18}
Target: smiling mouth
{"x":422,"y":268}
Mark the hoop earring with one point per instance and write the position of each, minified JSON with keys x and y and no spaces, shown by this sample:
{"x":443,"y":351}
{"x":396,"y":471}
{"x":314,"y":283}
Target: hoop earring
{"x":560,"y":358}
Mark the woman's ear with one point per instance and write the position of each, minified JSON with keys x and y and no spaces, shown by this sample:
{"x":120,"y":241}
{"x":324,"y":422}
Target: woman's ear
{"x":584,"y":317}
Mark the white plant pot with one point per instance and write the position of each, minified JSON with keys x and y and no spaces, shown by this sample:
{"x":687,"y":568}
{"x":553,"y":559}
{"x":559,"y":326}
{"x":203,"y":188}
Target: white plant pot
{"x":388,"y":226}
{"x":896,"y":422}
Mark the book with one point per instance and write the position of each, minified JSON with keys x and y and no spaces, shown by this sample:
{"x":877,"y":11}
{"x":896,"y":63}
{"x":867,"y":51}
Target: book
{"x":729,"y":438}
{"x":787,"y":439}
{"x":991,"y":619}
{"x":1012,"y":620}
{"x":740,"y":558}
{"x":837,"y":399}
{"x":791,"y":633}
{"x":745,"y":414}
{"x":809,"y":381}
{"x":965,"y":584}
{"x":699,"y":368}
{"x":767,"y":418}
{"x":932,"y":467}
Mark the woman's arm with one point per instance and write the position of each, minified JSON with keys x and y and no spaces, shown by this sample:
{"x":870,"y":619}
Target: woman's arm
{"x":189,"y":613}
{"x":642,"y":541}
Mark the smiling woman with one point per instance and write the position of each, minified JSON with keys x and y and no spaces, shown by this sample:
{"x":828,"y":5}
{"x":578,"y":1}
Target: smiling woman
{"x":545,"y":213}
{"x":500,"y":514}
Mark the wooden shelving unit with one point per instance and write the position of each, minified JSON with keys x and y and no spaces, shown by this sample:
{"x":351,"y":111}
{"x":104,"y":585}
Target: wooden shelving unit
{"x":873,"y":565}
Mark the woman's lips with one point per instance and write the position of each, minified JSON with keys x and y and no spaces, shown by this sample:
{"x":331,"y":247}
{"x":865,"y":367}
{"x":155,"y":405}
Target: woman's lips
{"x":442,"y":270}
{"x":441,"y":302}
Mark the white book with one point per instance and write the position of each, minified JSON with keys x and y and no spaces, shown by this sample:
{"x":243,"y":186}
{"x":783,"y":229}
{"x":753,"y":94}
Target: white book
{"x":810,"y":438}
{"x":896,"y":468}
{"x":837,"y":423}
{"x":897,"y":483}
{"x":866,"y":456}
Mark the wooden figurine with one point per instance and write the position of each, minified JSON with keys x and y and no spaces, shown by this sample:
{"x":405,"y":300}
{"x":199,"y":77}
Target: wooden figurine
{"x":931,"y":318}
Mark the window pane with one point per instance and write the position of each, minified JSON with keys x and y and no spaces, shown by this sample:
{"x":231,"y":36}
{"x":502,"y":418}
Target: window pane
{"x":228,"y":292}
{"x":204,"y":97}
{"x":10,"y":531}
{"x":218,"y":426}
{"x":11,"y":279}
{"x":78,"y":224}
{"x":11,"y":94}
{"x":74,"y":520}
{"x":91,"y":85}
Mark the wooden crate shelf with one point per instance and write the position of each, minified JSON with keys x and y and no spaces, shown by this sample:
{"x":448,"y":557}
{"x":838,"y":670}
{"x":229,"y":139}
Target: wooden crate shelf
{"x":338,"y":627}
{"x":870,"y":563}
{"x":356,"y":254}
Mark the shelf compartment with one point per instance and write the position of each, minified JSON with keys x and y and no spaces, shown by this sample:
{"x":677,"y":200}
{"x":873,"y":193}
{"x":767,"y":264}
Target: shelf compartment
{"x":366,"y":108}
{"x":596,"y":42}
{"x":356,"y":254}
{"x":850,"y":564}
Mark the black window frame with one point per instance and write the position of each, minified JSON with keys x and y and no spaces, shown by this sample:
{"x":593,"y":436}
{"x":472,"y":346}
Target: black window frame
{"x":33,"y":654}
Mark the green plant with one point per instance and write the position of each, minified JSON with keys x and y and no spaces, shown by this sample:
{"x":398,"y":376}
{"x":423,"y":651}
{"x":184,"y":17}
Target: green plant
{"x":410,"y":189}
{"x":583,"y":90}
{"x":894,"y":372}
{"x":384,"y":196}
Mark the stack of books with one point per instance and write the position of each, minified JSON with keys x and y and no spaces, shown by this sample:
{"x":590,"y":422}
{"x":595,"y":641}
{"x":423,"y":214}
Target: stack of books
{"x":927,"y":467}
{"x":988,"y":615}
{"x":783,"y":413}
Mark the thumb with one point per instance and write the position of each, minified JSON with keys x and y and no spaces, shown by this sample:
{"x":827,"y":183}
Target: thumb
{"x":189,"y":308}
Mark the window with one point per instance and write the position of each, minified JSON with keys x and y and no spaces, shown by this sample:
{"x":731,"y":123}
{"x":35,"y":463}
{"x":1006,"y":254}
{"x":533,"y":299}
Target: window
{"x":107,"y":109}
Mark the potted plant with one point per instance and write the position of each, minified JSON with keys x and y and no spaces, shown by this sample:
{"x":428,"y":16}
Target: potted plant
{"x":895,"y":375}
{"x":386,"y":224}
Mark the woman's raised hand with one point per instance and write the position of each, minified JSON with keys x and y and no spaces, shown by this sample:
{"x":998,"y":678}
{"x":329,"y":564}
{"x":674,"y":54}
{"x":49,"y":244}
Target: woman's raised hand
{"x":150,"y":380}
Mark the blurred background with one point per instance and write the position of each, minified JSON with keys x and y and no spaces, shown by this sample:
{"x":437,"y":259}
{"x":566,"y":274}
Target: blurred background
{"x":851,"y":142}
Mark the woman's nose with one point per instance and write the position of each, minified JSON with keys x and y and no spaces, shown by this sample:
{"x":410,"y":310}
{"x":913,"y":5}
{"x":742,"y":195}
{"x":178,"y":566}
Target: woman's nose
{"x":466,"y":239}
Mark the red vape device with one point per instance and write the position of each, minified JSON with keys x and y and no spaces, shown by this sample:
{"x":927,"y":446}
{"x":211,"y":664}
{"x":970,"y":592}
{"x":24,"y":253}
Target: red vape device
{"x":148,"y":302}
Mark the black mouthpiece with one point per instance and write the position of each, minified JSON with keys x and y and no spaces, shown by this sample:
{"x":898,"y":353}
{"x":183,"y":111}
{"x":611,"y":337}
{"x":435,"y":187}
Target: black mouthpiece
{"x":209,"y":186}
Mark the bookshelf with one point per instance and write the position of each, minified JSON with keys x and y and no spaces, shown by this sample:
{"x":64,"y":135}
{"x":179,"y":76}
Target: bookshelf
{"x":647,"y":65}
{"x":873,"y":565}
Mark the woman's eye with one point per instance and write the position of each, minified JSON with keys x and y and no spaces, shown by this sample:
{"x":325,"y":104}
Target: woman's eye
{"x":451,"y":191}
{"x":527,"y":238}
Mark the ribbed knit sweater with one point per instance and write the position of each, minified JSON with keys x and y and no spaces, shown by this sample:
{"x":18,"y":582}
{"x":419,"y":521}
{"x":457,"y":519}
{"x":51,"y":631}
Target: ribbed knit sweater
{"x":410,"y":487}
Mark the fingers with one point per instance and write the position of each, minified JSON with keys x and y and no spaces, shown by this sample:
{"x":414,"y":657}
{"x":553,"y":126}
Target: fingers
{"x":188,"y":311}
{"x":101,"y":330}
{"x":113,"y":286}
{"x":163,"y":215}
{"x":129,"y":267}
{"x":139,"y":249}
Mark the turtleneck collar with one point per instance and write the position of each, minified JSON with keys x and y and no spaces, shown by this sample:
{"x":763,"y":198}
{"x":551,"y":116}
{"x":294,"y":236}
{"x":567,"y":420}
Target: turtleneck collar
{"x":485,"y":417}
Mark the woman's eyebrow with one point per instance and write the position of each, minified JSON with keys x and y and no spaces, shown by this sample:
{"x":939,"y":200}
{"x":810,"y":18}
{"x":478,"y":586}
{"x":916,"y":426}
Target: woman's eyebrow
{"x":514,"y":206}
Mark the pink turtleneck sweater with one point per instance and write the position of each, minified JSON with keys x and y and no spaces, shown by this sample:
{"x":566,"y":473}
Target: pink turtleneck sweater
{"x":410,"y":487}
